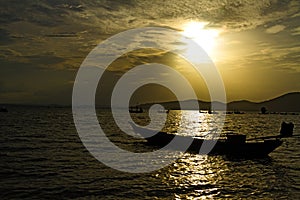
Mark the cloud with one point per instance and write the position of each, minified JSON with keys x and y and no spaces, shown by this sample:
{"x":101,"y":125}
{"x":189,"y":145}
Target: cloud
{"x":296,"y":31}
{"x":273,"y":58}
{"x":296,"y":15}
{"x":111,"y":15}
{"x":5,"y":37}
{"x":61,"y":35}
{"x":76,"y":27}
{"x":275,"y":29}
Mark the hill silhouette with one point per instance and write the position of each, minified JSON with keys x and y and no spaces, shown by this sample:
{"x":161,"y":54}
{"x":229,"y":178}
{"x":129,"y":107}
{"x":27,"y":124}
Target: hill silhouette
{"x":286,"y":103}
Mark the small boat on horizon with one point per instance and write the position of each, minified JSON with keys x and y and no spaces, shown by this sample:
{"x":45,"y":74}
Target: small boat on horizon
{"x":3,"y":109}
{"x":212,"y":112}
{"x":136,"y":109}
{"x":233,"y":145}
{"x":237,"y":112}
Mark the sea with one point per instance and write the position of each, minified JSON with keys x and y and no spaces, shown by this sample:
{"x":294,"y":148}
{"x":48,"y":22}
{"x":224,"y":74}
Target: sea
{"x":42,"y":157}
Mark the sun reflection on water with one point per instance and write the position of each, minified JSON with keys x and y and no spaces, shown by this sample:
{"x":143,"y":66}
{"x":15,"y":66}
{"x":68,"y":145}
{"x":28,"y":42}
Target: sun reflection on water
{"x":195,"y":176}
{"x":193,"y":123}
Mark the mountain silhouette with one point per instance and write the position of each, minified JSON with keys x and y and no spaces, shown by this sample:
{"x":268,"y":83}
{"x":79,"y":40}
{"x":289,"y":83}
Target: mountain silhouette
{"x":286,"y":103}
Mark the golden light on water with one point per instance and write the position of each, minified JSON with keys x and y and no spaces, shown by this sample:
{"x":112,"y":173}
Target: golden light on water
{"x":198,"y":175}
{"x":205,"y":37}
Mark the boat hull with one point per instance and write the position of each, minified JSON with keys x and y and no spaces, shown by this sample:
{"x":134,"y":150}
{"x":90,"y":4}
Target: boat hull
{"x":247,"y":149}
{"x":221,"y":147}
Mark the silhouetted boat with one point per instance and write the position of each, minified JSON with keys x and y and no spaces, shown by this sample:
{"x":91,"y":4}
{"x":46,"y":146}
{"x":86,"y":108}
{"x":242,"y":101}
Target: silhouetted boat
{"x":232,"y":145}
{"x":135,"y":109}
{"x":3,"y":109}
{"x":212,"y":111}
{"x":238,"y":112}
{"x":200,"y":111}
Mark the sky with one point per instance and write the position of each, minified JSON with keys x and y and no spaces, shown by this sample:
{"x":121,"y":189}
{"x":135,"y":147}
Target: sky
{"x":255,"y":44}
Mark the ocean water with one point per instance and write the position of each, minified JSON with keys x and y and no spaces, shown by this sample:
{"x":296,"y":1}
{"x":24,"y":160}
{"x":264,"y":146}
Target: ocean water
{"x":42,"y":157}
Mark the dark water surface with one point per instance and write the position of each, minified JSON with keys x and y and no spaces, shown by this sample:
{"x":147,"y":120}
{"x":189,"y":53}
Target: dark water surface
{"x":42,"y":157}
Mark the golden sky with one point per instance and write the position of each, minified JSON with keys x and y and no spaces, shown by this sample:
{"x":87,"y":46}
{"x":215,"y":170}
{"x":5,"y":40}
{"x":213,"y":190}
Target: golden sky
{"x":255,"y":44}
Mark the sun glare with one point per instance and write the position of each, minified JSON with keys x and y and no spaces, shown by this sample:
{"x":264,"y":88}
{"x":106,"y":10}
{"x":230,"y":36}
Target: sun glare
{"x":206,"y":38}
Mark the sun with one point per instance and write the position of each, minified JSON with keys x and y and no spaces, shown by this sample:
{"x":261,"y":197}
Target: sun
{"x":198,"y":32}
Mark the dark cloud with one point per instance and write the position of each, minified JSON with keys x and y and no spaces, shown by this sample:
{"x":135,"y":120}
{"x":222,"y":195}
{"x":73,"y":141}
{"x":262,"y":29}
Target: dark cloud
{"x":242,"y":13}
{"x":5,"y":37}
{"x":61,"y":35}
{"x":48,"y":59}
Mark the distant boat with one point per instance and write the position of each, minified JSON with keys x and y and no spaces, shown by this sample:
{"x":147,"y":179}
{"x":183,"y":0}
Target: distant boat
{"x":232,"y":145}
{"x":3,"y":109}
{"x":135,"y":109}
{"x":238,"y":112}
{"x":212,"y":111}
